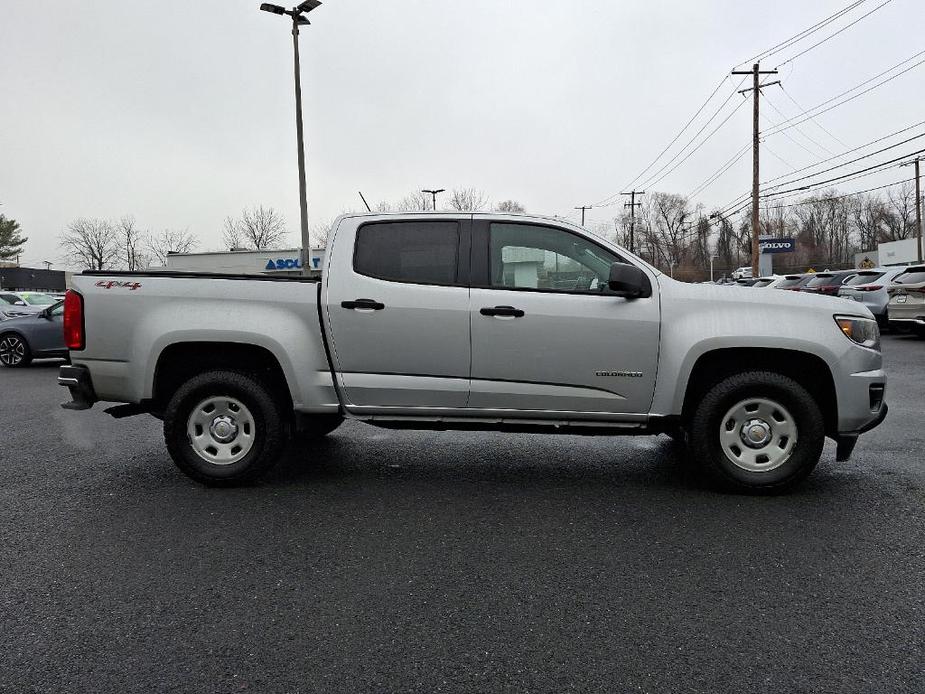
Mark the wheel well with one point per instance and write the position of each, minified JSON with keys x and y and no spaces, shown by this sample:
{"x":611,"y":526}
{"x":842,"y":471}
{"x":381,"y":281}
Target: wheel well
{"x":808,"y":370}
{"x":180,"y":362}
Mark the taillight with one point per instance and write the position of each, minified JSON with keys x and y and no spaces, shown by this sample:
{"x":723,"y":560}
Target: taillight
{"x":871,"y":288}
{"x":74,"y":337}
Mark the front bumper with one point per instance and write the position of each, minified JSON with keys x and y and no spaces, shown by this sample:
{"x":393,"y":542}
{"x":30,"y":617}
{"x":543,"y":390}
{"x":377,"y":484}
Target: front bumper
{"x":77,"y":380}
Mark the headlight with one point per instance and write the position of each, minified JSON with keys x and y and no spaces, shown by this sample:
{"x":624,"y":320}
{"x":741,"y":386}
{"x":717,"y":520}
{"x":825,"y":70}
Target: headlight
{"x":861,"y":331}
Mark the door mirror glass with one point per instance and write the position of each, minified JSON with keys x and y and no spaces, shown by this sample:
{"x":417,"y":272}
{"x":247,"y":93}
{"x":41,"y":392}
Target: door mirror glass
{"x":628,"y":281}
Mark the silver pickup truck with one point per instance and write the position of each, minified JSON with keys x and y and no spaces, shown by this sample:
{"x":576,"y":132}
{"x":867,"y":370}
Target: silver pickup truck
{"x":476,"y":321}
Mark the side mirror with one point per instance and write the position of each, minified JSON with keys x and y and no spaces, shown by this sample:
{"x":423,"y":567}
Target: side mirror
{"x":628,"y":281}
{"x":45,"y":313}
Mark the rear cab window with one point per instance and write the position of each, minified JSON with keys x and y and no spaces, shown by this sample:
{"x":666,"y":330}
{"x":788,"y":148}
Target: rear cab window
{"x":414,"y":252}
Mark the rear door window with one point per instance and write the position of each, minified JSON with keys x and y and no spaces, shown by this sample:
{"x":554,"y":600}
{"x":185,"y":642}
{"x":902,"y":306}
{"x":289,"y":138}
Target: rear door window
{"x":425,"y":252}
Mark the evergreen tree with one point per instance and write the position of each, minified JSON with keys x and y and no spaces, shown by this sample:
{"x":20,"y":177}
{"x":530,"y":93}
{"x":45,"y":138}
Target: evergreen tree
{"x":11,"y":242}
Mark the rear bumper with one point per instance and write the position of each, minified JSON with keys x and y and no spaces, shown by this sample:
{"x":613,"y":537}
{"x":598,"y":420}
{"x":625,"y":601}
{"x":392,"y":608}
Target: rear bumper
{"x":77,"y":380}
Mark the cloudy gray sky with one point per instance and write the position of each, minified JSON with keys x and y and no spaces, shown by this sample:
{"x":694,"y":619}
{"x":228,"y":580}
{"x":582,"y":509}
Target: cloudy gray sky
{"x":180,"y":113}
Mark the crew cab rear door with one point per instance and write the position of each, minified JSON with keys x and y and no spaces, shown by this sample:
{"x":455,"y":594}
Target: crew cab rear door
{"x":547,"y":336}
{"x":397,"y":307}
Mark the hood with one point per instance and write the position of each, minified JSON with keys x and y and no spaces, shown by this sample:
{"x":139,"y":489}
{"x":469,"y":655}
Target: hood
{"x":750,"y":298}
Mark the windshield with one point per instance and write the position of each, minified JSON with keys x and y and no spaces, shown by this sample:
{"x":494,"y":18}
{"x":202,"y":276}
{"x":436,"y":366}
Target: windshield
{"x":914,"y":276}
{"x":38,"y":299}
{"x":790,"y":282}
{"x":864,"y":278}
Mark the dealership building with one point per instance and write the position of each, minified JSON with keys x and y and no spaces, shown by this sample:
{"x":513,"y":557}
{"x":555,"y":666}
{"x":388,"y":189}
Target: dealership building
{"x":245,"y":261}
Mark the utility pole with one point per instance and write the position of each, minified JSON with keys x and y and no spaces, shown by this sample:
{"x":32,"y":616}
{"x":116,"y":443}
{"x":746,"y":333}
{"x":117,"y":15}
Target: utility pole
{"x":583,"y":208}
{"x":756,"y":73}
{"x":433,"y":196}
{"x":632,"y":205}
{"x":918,"y":206}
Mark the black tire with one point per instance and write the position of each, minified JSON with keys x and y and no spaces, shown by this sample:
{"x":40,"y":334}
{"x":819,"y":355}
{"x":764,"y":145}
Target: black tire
{"x":918,"y":330}
{"x":270,"y":427}
{"x":707,"y":420}
{"x":14,"y":351}
{"x":316,"y":426}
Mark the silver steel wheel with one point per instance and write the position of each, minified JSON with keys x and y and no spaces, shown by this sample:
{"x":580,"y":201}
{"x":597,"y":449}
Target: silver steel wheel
{"x":221,"y":430}
{"x":758,"y":434}
{"x":12,"y":351}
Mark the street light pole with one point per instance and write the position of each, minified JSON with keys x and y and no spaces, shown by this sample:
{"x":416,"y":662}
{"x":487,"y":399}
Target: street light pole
{"x":303,"y":199}
{"x":297,"y":14}
{"x":433,"y":196}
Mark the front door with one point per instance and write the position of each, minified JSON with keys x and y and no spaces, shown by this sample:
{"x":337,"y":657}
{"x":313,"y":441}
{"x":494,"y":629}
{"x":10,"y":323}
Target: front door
{"x":547,"y":336}
{"x":398,"y":314}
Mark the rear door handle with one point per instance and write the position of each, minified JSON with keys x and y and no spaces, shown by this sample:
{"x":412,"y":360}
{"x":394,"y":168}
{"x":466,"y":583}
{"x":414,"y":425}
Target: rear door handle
{"x":363,"y":304}
{"x":502,"y":311}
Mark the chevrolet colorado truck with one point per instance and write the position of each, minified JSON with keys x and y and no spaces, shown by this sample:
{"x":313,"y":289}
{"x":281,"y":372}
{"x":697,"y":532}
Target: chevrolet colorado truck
{"x":475,"y":321}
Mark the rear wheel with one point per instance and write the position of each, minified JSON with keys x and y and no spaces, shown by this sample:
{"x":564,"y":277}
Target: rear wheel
{"x":757,"y":432}
{"x":225,"y":428}
{"x":14,"y":351}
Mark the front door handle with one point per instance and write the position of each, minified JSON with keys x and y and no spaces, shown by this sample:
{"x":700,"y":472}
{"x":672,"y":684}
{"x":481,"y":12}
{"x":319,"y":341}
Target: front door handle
{"x":502,"y":311}
{"x":363,"y":304}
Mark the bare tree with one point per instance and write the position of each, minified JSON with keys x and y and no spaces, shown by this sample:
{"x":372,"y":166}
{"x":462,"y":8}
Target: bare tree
{"x":319,"y":233}
{"x":413,"y":202}
{"x":510,"y":206}
{"x":169,"y":241}
{"x":91,"y":243}
{"x":467,"y":200}
{"x":131,"y":244}
{"x":900,"y":222}
{"x":258,"y":227}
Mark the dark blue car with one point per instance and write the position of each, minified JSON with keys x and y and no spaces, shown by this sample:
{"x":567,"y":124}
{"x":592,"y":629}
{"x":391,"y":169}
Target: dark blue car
{"x":32,"y":337}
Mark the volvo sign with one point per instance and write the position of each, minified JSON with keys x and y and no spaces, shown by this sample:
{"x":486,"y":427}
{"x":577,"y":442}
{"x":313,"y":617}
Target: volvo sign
{"x":776,"y":245}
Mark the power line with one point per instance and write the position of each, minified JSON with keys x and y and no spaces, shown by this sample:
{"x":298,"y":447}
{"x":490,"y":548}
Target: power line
{"x":796,"y":38}
{"x":789,"y":124}
{"x":846,"y":163}
{"x":675,"y":139}
{"x":817,"y":123}
{"x":854,"y":149}
{"x":818,"y":184}
{"x":652,"y":181}
{"x":840,"y":197}
{"x":719,"y":172}
{"x":832,"y":36}
{"x":799,"y":130}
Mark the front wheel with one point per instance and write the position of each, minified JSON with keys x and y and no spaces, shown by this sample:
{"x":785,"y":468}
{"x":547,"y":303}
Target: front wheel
{"x":225,"y":427}
{"x":757,"y":432}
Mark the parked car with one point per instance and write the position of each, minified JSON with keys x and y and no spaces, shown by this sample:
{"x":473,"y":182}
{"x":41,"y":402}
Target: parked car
{"x":741,"y":273}
{"x":870,"y":287}
{"x":769,"y":282}
{"x":36,"y":336}
{"x":11,"y":306}
{"x":794,"y":283}
{"x":746,"y":282}
{"x":827,"y":283}
{"x":907,"y":300}
{"x":462,"y":321}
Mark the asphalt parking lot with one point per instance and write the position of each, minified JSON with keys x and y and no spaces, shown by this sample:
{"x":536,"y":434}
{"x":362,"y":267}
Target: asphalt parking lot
{"x":393,"y":561}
